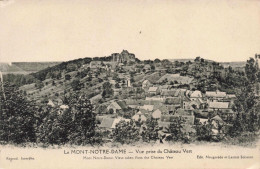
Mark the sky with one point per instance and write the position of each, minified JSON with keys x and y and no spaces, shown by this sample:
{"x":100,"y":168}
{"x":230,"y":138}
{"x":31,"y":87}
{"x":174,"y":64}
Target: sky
{"x":61,"y":30}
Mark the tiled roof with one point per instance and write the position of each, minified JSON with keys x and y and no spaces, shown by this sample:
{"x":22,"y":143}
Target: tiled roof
{"x":217,"y":118}
{"x":145,"y":82}
{"x":117,"y":120}
{"x":157,"y":114}
{"x":170,"y":118}
{"x":153,"y":89}
{"x":196,"y":93}
{"x":215,"y":94}
{"x":136,"y":117}
{"x":111,"y":122}
{"x":142,"y":111}
{"x":173,"y":100}
{"x":173,"y":92}
{"x":219,"y":105}
{"x":147,"y":107}
{"x":122,"y":104}
{"x":114,"y":105}
{"x":107,"y":122}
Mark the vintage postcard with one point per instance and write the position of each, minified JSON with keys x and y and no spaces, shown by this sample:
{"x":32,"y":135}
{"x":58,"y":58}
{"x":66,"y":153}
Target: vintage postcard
{"x":129,"y":84}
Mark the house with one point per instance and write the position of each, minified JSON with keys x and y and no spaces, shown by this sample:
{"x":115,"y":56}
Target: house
{"x":170,"y":93}
{"x":158,"y":99}
{"x":149,"y":108}
{"x":173,"y":101}
{"x":201,"y":113}
{"x":157,"y":114}
{"x":147,"y":67}
{"x":128,"y":82}
{"x":95,"y":99}
{"x":139,"y":116}
{"x":122,"y":104}
{"x":153,"y":90}
{"x":64,"y":107}
{"x":146,"y":84}
{"x":202,"y":120}
{"x":231,"y":96}
{"x":110,"y":123}
{"x":215,"y":95}
{"x":195,"y":104}
{"x":218,"y":106}
{"x":59,"y":101}
{"x":142,"y":111}
{"x":107,"y":123}
{"x":187,"y":115}
{"x":50,"y":103}
{"x":194,"y":95}
{"x":217,"y":119}
{"x":168,"y":109}
{"x":133,"y":103}
{"x":166,"y":120}
{"x":95,"y":64}
{"x":165,"y":87}
{"x":114,"y":106}
{"x":217,"y":122}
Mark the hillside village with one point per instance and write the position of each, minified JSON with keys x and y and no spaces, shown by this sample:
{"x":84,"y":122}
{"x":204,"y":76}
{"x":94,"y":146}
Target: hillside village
{"x":122,"y":88}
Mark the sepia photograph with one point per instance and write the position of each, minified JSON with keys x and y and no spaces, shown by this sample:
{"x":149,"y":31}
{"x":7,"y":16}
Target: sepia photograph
{"x":129,"y":84}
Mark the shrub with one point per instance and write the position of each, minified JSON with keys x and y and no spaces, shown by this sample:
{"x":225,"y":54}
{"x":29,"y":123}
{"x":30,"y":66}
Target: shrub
{"x":125,"y":132}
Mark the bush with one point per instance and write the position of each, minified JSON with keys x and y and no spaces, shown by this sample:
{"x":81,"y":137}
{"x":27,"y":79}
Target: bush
{"x":125,"y":132}
{"x":17,"y":118}
{"x":176,"y":130}
{"x":151,"y":131}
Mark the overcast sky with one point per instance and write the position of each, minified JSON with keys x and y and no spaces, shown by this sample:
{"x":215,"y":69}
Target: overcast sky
{"x":61,"y":30}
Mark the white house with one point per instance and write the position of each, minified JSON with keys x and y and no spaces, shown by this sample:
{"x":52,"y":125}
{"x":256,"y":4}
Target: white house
{"x":139,"y":116}
{"x":157,"y":114}
{"x":215,"y":95}
{"x":114,"y":106}
{"x":194,"y":95}
{"x":153,"y":90}
{"x":218,"y":105}
{"x":146,"y":84}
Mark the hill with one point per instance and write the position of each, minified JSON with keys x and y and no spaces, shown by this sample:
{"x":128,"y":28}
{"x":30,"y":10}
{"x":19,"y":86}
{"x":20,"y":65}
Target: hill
{"x":121,"y":70}
{"x":25,"y":67}
{"x":233,"y":64}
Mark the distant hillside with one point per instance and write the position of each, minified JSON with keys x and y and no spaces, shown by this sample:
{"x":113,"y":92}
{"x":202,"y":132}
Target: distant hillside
{"x":25,"y":67}
{"x":224,"y":64}
{"x":181,"y":60}
{"x":233,"y":64}
{"x":187,"y":60}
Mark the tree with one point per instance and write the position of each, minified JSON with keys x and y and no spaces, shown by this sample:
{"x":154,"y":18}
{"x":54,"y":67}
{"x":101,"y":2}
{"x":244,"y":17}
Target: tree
{"x":125,"y":132}
{"x":157,"y":60}
{"x":152,"y":67}
{"x":110,"y":111}
{"x":83,"y":120}
{"x":204,"y":131}
{"x":117,"y":85}
{"x":197,"y":59}
{"x":55,"y":127}
{"x":176,"y":129}
{"x":76,"y":85}
{"x":17,"y":118}
{"x":166,"y":63}
{"x":251,"y":70}
{"x":107,"y":90}
{"x":67,"y":77}
{"x":246,"y":103}
{"x":151,"y":131}
{"x":39,"y":84}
